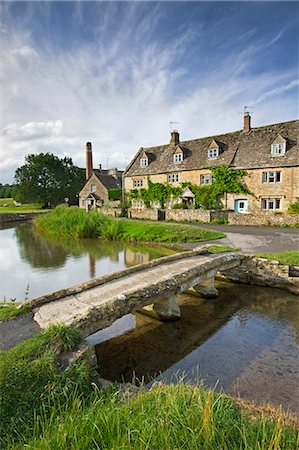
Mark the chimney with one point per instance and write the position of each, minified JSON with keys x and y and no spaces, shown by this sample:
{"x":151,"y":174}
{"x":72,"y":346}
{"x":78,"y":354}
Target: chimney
{"x":89,"y":168}
{"x":175,"y":138}
{"x":247,"y":123}
{"x":113,"y":172}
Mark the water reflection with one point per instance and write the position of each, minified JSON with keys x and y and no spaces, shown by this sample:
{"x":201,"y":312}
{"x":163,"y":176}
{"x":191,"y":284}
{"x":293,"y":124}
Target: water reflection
{"x":244,"y":341}
{"x":48,"y":265}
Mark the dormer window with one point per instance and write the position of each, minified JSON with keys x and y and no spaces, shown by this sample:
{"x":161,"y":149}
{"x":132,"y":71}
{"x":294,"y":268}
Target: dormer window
{"x":213,"y":153}
{"x":178,"y":157}
{"x":144,"y":162}
{"x":278,"y":147}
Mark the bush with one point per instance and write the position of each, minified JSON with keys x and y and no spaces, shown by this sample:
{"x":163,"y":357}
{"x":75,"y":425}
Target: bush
{"x":294,"y":208}
{"x":179,"y":206}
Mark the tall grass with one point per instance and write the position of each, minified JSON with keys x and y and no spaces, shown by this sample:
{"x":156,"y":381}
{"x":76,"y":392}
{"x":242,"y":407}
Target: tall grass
{"x":290,"y":258}
{"x":74,"y":222}
{"x":44,"y":408}
{"x":167,"y":417}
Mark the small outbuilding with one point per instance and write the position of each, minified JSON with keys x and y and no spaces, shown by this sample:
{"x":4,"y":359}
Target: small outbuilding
{"x":102,"y":187}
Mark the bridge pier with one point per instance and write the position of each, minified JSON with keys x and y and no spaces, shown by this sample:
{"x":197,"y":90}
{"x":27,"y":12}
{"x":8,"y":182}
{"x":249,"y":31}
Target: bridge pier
{"x":168,"y":309}
{"x":206,"y":288}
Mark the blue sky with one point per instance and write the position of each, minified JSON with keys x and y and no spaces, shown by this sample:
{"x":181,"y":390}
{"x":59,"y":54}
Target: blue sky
{"x":116,"y":74}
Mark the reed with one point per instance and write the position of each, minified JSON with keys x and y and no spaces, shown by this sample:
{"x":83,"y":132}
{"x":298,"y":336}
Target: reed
{"x":76,"y":223}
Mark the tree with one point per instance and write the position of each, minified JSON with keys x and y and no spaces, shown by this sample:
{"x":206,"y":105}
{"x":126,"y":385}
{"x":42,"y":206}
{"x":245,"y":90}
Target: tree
{"x":46,"y":179}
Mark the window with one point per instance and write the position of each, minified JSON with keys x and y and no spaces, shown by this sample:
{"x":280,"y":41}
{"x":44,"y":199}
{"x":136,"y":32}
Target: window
{"x":138,"y":183}
{"x":143,"y":162}
{"x":138,"y":203}
{"x":173,"y":178}
{"x":93,"y":188}
{"x":207,"y":178}
{"x":278,"y":149}
{"x":271,"y":177}
{"x":178,"y":157}
{"x":213,"y":153}
{"x":270,"y":204}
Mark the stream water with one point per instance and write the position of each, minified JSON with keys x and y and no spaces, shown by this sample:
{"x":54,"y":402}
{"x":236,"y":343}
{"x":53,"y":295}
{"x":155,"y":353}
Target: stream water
{"x":246,"y":341}
{"x":31,"y":266}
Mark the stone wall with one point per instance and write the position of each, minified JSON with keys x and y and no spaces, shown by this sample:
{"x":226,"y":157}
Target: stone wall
{"x":270,"y":219}
{"x":112,"y":212}
{"x":264,"y":272}
{"x":144,"y":214}
{"x":17,"y":217}
{"x":193,"y":215}
{"x":177,"y":215}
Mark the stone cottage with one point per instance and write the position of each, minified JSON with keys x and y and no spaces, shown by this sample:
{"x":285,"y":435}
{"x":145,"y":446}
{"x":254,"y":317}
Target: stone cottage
{"x":95,"y":192}
{"x":269,"y":154}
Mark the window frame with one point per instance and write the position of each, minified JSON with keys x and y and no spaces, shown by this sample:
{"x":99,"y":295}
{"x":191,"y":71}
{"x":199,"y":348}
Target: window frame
{"x":206,"y":178}
{"x":278,"y":149}
{"x":93,"y":188}
{"x":276,"y":177}
{"x":178,"y":157}
{"x":138,"y":183}
{"x":143,"y":162}
{"x":213,"y":153}
{"x":173,"y":178}
{"x":271,"y":204}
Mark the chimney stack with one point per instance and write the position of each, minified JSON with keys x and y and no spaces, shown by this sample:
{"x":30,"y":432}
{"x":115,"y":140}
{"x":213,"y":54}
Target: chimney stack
{"x":247,"y":123}
{"x":175,"y":138}
{"x":89,"y":167}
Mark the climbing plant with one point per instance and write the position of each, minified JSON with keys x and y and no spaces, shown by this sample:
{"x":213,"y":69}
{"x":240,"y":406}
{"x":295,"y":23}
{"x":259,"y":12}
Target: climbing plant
{"x":158,"y":192}
{"x":226,"y":180}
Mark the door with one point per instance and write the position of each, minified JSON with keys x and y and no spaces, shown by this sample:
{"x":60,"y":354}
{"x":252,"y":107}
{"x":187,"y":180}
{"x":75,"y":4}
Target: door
{"x":161,"y":214}
{"x":241,"y":206}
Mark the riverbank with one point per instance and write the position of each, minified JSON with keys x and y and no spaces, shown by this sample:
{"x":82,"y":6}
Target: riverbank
{"x":74,"y":222}
{"x":74,"y":412}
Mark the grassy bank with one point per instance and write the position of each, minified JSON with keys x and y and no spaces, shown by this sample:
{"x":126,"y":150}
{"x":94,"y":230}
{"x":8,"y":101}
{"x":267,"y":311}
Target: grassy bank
{"x":44,"y":408}
{"x":74,"y":222}
{"x":11,"y":310}
{"x":290,"y":258}
{"x":7,"y":206}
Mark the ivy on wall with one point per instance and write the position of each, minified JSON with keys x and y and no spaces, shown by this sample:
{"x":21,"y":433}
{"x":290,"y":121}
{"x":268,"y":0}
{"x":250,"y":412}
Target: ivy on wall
{"x":226,"y":180}
{"x":158,"y":192}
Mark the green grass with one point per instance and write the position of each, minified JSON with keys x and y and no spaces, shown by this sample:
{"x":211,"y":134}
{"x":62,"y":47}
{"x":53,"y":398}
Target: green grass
{"x":167,"y":417}
{"x":23,"y":208}
{"x":290,"y":258}
{"x":42,"y":407}
{"x":30,"y":376}
{"x":221,"y":249}
{"x":11,"y":310}
{"x":76,"y":223}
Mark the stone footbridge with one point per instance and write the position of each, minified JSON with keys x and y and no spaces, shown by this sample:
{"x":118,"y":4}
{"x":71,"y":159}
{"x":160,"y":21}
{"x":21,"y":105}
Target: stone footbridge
{"x":98,"y":303}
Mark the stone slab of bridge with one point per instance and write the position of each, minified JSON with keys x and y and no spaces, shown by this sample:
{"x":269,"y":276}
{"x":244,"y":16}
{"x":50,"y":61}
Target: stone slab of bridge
{"x":98,"y":303}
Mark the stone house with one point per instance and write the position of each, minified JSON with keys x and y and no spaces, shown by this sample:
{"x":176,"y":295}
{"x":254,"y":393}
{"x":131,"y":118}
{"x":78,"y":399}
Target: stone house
{"x":95,"y":192}
{"x":269,"y":154}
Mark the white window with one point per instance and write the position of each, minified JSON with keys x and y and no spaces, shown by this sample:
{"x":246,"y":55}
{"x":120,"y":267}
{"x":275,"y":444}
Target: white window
{"x":138,"y":203}
{"x":138,"y":183}
{"x":93,"y":188}
{"x":178,"y":157}
{"x":173,"y":178}
{"x":213,"y":153}
{"x":84,"y":203}
{"x":143,"y":162}
{"x":270,"y":204}
{"x":278,"y":149}
{"x":271,"y":177}
{"x":207,"y":178}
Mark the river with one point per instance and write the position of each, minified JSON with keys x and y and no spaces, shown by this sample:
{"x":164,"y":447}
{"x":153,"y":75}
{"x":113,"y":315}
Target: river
{"x":245,"y":342}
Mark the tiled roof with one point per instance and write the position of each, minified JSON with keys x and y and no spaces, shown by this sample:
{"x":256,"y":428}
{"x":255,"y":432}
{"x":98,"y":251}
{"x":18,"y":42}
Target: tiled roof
{"x":109,"y":181}
{"x":243,"y":150}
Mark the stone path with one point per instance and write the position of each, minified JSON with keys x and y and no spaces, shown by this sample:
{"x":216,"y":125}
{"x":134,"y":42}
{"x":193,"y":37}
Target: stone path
{"x":99,"y":306}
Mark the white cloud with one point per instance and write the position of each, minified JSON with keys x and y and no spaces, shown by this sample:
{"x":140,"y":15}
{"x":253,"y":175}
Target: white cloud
{"x":33,"y":130}
{"x":123,"y":92}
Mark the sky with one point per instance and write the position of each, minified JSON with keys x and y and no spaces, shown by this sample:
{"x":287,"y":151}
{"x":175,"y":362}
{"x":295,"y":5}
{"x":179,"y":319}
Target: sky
{"x":117,"y":73}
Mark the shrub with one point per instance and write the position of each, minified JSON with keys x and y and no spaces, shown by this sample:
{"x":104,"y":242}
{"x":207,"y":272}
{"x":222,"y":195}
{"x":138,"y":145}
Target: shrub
{"x":294,"y":208}
{"x":179,"y":206}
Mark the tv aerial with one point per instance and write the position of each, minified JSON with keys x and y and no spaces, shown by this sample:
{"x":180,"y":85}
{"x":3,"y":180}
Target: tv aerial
{"x":171,"y":126}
